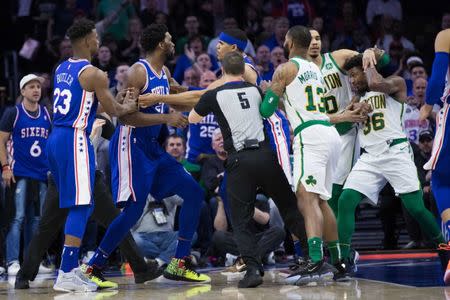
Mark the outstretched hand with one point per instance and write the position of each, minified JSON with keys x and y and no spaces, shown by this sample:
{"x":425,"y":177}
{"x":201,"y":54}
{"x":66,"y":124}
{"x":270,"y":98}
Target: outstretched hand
{"x":177,"y":119}
{"x":147,"y":100}
{"x":96,"y":128}
{"x":265,"y":85}
{"x":369,"y":60}
{"x":425,"y":112}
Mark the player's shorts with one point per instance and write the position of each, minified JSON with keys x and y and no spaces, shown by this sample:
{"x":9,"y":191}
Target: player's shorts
{"x":440,"y":160}
{"x":316,"y":158}
{"x":135,"y":173}
{"x":395,"y":165}
{"x":277,"y":129}
{"x":72,"y":163}
{"x":441,"y":146}
{"x":348,"y":155}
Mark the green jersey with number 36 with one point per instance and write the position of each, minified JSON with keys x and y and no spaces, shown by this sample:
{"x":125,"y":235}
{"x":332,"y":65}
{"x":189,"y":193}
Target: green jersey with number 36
{"x":338,"y":93}
{"x":384,"y":123}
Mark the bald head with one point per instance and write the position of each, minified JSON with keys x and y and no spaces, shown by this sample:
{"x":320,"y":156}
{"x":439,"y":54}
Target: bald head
{"x":419,"y":88}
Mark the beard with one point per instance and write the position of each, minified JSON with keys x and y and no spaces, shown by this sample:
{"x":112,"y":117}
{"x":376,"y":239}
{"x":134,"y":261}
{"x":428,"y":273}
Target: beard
{"x":169,"y":55}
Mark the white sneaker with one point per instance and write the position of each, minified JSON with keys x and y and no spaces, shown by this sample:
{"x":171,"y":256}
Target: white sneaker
{"x":87,"y":257}
{"x":2,"y":270}
{"x":74,"y":281}
{"x":44,"y":270}
{"x":230,"y":259}
{"x":13,"y":268}
{"x":271,"y":258}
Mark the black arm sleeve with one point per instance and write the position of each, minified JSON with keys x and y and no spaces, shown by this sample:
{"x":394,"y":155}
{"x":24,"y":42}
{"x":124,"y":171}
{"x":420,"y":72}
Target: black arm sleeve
{"x":204,"y":105}
{"x":8,"y":118}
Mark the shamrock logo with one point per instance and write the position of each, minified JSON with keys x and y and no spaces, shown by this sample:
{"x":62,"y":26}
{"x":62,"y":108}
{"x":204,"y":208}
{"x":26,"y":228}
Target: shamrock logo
{"x":311,"y":180}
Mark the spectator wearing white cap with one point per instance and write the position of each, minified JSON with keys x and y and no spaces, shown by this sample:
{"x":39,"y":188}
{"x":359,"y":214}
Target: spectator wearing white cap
{"x":24,"y":131}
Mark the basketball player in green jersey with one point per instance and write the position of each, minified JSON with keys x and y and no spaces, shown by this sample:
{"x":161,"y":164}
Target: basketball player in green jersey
{"x":387,"y":154}
{"x":337,"y":98}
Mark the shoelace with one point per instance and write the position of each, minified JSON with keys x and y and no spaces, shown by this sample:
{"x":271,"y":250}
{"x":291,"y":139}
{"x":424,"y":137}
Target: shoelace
{"x":189,"y":267}
{"x":94,"y":272}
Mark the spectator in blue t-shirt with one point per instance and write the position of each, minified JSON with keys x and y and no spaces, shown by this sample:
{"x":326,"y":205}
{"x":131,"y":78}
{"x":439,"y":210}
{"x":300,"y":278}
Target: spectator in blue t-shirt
{"x":193,"y":49}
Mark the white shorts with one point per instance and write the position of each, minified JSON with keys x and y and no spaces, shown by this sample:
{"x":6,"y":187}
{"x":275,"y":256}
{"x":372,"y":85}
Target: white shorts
{"x":315,"y":159}
{"x":395,"y":165}
{"x":348,"y":155}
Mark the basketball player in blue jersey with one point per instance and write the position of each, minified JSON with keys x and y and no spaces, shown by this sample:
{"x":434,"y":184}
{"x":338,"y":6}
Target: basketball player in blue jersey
{"x":277,"y":126}
{"x":26,"y":127}
{"x":438,"y":92}
{"x":140,"y":166}
{"x":78,"y":86}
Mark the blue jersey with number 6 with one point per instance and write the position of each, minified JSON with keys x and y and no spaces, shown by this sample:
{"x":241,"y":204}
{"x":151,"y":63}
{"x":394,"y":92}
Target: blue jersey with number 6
{"x":72,"y":105}
{"x":28,"y":143}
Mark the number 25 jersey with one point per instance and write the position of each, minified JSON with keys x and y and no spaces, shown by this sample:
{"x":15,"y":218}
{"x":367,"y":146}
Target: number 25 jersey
{"x":72,"y":105}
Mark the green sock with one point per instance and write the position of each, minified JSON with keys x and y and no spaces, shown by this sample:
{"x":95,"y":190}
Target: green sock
{"x":345,"y":250}
{"x":413,"y":202}
{"x":334,"y":200}
{"x":348,"y":201}
{"x":334,"y":249}
{"x":315,"y":249}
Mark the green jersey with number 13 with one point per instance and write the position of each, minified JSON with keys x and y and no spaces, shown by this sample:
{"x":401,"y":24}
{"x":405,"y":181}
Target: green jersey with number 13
{"x":304,"y":95}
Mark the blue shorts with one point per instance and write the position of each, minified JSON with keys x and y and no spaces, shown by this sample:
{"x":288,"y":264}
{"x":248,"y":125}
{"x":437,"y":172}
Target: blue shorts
{"x":440,"y":176}
{"x":135,"y":173}
{"x":72,"y":163}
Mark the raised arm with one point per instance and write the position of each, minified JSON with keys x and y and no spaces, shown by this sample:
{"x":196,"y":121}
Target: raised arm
{"x":250,"y":74}
{"x":185,"y":101}
{"x":440,"y":67}
{"x":283,"y":76}
{"x":393,"y":85}
{"x":95,"y":80}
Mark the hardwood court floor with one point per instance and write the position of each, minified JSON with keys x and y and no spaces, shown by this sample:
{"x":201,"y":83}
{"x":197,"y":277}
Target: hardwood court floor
{"x":378,"y":278}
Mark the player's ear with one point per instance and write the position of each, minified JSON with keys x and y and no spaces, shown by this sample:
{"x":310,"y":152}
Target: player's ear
{"x":234,"y":47}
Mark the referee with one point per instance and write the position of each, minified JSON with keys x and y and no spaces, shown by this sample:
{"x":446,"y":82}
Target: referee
{"x":251,"y":161}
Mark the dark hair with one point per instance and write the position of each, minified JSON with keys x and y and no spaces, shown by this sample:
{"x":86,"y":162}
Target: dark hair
{"x":237,"y":34}
{"x":174,"y":136}
{"x":152,"y":36}
{"x":355,"y":61}
{"x":194,"y":38}
{"x":301,"y":37}
{"x":416,"y":64}
{"x":233,"y":63}
{"x":80,"y":29}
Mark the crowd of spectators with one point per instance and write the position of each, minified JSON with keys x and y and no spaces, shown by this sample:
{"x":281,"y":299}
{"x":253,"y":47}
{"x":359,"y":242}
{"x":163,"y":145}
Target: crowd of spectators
{"x":39,"y":27}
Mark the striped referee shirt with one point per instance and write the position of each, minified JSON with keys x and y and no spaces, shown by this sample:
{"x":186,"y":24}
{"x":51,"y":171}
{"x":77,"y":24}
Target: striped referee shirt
{"x":236,"y":107}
